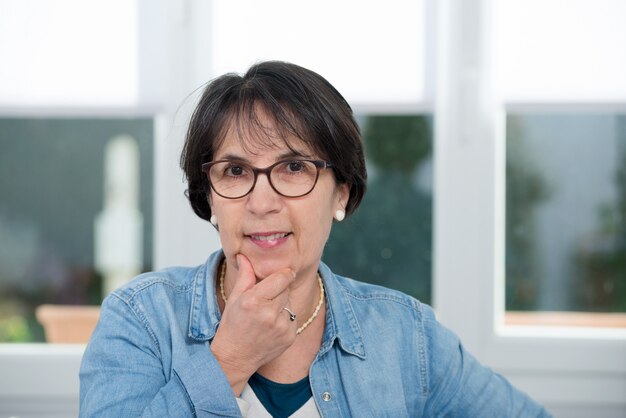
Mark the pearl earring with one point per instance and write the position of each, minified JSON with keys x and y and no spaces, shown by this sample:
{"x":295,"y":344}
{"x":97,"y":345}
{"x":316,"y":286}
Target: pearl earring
{"x":340,"y":215}
{"x":213,"y":220}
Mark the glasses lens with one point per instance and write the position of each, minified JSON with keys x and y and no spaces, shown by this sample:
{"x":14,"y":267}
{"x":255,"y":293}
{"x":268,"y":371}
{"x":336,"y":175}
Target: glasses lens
{"x":294,"y":178}
{"x":231,"y":179}
{"x":291,"y":178}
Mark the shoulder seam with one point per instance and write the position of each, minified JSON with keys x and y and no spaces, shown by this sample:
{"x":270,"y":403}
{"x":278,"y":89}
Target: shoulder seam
{"x":407,"y":301}
{"x":128,"y":294}
{"x":142,"y":318}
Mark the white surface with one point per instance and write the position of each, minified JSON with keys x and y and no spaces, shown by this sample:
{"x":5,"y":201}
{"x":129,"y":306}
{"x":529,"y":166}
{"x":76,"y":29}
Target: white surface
{"x":180,"y":237}
{"x":68,"y":53}
{"x":560,"y":51}
{"x":372,"y":52}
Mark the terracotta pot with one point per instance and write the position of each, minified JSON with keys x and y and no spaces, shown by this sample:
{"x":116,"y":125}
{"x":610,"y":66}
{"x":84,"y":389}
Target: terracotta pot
{"x":68,"y":323}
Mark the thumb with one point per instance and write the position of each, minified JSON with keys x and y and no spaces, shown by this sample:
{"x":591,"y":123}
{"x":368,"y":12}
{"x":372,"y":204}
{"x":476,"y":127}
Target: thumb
{"x":245,"y":278}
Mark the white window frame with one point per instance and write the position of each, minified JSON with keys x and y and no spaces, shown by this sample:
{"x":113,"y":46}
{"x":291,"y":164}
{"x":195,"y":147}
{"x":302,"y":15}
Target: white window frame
{"x":575,"y":372}
{"x":42,"y":379}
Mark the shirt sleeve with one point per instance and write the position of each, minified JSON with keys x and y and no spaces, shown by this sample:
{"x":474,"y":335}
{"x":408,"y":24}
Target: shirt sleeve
{"x":122,"y":375}
{"x":459,"y":386}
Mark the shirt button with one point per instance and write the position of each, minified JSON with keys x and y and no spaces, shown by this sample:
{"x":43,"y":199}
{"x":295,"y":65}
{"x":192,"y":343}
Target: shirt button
{"x":326,"y":396}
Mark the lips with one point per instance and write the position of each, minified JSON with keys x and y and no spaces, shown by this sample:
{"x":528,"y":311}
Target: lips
{"x":271,"y":237}
{"x":268,"y":239}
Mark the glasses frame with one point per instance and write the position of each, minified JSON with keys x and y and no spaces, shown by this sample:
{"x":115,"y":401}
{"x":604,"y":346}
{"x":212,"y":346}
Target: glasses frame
{"x":319,"y":164}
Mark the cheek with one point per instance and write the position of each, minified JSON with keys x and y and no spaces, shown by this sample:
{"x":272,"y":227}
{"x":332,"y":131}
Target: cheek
{"x":228,"y":226}
{"x":316,"y":222}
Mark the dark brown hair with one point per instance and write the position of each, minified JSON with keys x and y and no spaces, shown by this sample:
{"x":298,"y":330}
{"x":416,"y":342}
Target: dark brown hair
{"x":299,"y":103}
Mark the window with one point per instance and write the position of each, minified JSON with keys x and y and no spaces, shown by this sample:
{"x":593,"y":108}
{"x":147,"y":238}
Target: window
{"x":546,"y":59}
{"x":565,"y":216}
{"x":386,"y":45}
{"x":548,"y":51}
{"x":494,"y":58}
{"x":68,"y":84}
{"x":67,"y":185}
{"x":64,"y":54}
{"x":562,"y":90}
{"x":388,"y":240}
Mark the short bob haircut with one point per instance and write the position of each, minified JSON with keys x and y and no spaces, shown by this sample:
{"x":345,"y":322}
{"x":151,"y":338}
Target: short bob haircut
{"x":272,"y":102}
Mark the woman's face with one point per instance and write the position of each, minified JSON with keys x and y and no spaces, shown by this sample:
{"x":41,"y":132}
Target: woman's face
{"x":274,"y":231}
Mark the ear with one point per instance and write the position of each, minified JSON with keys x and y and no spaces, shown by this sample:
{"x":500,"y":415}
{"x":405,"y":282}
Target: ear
{"x":343,"y":194}
{"x":208,"y":200}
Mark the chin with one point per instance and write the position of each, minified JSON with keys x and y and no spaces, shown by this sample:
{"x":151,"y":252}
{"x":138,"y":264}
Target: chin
{"x":265,"y":267}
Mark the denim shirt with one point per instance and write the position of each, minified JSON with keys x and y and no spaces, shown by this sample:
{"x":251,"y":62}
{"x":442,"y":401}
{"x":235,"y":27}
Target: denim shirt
{"x":383,"y":354}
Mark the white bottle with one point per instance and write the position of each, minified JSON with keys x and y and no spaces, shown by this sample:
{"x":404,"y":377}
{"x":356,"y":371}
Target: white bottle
{"x":119,"y":227}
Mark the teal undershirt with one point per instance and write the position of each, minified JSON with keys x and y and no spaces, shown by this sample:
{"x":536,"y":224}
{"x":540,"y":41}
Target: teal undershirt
{"x":280,"y":399}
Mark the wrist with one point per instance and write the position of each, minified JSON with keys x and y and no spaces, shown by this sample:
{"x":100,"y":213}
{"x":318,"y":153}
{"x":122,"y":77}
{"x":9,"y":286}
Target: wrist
{"x":235,"y":370}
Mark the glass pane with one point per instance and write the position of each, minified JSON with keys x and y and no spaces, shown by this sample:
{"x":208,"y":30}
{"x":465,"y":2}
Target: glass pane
{"x":566,"y":212}
{"x":68,"y":53}
{"x":388,"y":240}
{"x":53,"y":201}
{"x":245,"y":32}
{"x":557,"y":60}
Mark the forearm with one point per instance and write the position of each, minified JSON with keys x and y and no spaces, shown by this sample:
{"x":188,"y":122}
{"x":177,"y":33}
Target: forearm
{"x":236,"y":375}
{"x":123,"y":373}
{"x":109,"y":393}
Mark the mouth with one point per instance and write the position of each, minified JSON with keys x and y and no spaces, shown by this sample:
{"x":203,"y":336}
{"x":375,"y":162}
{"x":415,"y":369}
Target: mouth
{"x":268,"y":239}
{"x":269,"y":236}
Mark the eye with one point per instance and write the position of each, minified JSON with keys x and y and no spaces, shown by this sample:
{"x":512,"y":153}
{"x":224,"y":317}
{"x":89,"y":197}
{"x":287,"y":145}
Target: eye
{"x":295,"y":166}
{"x":234,"y":170}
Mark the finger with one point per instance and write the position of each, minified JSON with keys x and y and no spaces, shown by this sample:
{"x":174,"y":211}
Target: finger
{"x":275,"y":284}
{"x":245,"y":278}
{"x":281,"y":300}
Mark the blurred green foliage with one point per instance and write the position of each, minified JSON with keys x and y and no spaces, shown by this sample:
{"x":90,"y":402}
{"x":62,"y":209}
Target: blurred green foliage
{"x":526,"y":189}
{"x":388,"y":240}
{"x":595,"y":278}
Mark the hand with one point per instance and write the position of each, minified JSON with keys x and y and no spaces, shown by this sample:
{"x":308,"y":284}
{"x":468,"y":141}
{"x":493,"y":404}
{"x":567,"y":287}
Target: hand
{"x":254,"y":328}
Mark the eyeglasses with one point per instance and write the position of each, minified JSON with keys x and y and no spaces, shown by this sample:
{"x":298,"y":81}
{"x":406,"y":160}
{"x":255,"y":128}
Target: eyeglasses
{"x":288,"y":178}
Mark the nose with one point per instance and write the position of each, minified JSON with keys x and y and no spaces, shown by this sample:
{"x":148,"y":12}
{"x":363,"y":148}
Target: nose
{"x":263,"y":199}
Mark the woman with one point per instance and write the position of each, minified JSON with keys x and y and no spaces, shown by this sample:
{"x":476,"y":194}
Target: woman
{"x":264,"y":327}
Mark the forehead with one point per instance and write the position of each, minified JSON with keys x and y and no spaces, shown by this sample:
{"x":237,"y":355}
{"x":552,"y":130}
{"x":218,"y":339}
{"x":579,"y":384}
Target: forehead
{"x":258,"y":138}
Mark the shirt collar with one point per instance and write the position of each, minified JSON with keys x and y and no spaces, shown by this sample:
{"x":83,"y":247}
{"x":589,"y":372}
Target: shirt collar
{"x":341,"y":323}
{"x":204,"y":314}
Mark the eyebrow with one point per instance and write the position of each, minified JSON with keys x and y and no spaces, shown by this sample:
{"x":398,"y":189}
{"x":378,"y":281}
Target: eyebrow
{"x":283,"y":156}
